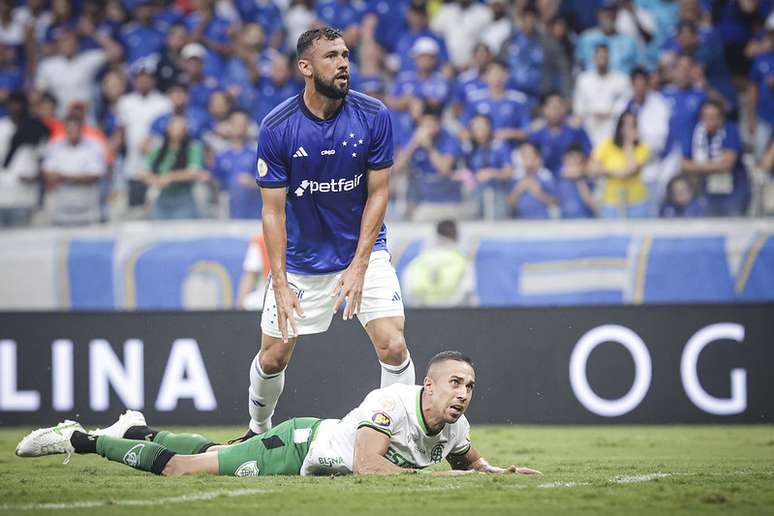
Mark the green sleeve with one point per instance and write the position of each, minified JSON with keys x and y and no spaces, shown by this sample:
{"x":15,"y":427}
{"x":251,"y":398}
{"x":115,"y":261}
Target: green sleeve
{"x":196,"y":156}
{"x":151,"y":158}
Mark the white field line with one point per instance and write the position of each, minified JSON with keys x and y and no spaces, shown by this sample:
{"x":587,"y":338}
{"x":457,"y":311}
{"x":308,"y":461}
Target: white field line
{"x":635,"y":479}
{"x":620,"y":479}
{"x":195,"y":497}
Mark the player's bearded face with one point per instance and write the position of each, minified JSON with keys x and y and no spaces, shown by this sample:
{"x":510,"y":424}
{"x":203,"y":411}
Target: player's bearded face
{"x":336,"y":87}
{"x":330,"y":71}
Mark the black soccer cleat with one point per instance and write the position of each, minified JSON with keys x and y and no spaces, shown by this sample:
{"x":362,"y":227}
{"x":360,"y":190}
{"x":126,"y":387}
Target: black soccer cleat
{"x":247,"y":435}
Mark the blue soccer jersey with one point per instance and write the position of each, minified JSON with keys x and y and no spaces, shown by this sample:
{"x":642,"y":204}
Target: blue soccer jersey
{"x":323,"y":165}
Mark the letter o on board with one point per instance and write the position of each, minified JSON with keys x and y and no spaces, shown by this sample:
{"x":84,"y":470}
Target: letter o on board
{"x":642,"y":370}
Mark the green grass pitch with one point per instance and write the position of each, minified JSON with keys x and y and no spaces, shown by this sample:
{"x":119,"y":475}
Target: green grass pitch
{"x":591,"y":470}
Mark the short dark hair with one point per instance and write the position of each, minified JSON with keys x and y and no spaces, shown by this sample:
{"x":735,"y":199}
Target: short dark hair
{"x":639,"y":71}
{"x":716,"y":104}
{"x":307,"y":39}
{"x":443,"y":356}
{"x":549,"y":95}
{"x":429,"y":109}
{"x":575,"y":146}
{"x":497,"y":62}
{"x":447,"y":228}
{"x":531,"y":143}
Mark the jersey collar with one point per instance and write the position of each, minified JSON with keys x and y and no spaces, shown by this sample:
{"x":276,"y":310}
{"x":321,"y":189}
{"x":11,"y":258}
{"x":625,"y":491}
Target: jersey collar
{"x":421,"y":417}
{"x":311,"y":116}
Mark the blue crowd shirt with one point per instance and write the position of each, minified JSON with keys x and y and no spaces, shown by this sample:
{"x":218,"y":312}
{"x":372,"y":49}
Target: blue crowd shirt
{"x":509,"y":112}
{"x":467,"y":82}
{"x":436,"y":87}
{"x":392,"y":21}
{"x":554,"y":145}
{"x":761,"y":73}
{"x":323,"y":164}
{"x":244,"y":202}
{"x":730,"y":141}
{"x":196,"y":119}
{"x":496,"y":154}
{"x":624,"y":52}
{"x":684,"y":105}
{"x":237,"y":74}
{"x":433,"y":187}
{"x":167,"y":17}
{"x":216,"y":31}
{"x":526,"y":57}
{"x":199,"y":92}
{"x":529,"y":206}
{"x":571,"y":202}
{"x":268,"y":95}
{"x":140,"y":41}
{"x":263,"y":12}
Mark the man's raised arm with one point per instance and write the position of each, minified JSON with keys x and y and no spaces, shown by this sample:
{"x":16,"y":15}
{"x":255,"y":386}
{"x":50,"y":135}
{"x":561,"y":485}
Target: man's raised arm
{"x":473,"y":461}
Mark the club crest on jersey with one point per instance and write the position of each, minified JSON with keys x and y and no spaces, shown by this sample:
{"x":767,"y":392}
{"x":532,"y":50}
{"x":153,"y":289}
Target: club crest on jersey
{"x":247,"y":469}
{"x":263,"y":169}
{"x":437,"y":453}
{"x":132,"y":457}
{"x":381,"y":419}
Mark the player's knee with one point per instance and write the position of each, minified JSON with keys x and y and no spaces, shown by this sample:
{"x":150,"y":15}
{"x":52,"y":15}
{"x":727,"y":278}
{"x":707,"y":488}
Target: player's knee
{"x":273,"y":364}
{"x":394,"y":352}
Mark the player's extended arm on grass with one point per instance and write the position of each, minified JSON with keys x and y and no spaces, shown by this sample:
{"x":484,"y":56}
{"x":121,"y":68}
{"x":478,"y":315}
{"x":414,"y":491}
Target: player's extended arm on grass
{"x":475,"y":462}
{"x":370,"y":447}
{"x":350,"y":284}
{"x":276,"y":237}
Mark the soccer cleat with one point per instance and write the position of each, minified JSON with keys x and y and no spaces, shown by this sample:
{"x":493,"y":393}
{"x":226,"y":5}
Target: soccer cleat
{"x":247,"y":435}
{"x":49,"y":441}
{"x":127,"y":420}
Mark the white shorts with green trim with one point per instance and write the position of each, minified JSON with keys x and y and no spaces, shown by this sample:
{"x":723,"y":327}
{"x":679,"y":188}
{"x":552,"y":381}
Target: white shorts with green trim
{"x":381,"y":298}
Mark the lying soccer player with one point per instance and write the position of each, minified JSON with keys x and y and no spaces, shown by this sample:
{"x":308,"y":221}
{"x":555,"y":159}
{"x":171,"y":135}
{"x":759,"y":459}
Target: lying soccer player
{"x":398,"y":429}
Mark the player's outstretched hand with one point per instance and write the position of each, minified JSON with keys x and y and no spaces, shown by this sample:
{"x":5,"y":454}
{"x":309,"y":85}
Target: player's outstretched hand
{"x":350,"y":287}
{"x":288,"y":305}
{"x":522,"y":471}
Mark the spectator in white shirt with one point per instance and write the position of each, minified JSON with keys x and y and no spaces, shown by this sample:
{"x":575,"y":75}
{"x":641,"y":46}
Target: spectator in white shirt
{"x":71,"y":76}
{"x":135,"y":114}
{"x":21,"y":137}
{"x":597,"y":94}
{"x":73,"y":168}
{"x":461,"y":24}
{"x":653,"y":113}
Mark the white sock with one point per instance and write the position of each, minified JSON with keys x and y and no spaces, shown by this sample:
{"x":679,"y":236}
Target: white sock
{"x":403,"y":373}
{"x":265,"y":390}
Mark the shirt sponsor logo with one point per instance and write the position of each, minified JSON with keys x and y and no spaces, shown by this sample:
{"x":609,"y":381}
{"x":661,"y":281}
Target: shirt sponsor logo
{"x":132,"y":457}
{"x":247,"y":469}
{"x":328,"y":152}
{"x":381,"y":419}
{"x":334,"y":185}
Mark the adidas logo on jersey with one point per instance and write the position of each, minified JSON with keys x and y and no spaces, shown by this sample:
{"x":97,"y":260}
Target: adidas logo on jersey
{"x":300,"y":153}
{"x":340,"y":185}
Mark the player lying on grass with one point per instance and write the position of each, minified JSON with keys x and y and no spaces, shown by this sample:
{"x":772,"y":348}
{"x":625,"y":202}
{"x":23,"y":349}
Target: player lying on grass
{"x":397,"y":429}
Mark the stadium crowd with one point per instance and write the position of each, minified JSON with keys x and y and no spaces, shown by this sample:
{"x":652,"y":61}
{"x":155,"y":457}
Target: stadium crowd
{"x":532,"y":109}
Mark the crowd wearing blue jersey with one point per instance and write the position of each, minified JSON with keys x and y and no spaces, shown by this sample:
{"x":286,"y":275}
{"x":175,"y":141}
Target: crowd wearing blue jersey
{"x":533,"y":69}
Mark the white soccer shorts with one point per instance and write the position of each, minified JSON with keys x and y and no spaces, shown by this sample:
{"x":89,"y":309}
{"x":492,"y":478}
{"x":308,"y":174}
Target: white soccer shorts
{"x":381,"y":298}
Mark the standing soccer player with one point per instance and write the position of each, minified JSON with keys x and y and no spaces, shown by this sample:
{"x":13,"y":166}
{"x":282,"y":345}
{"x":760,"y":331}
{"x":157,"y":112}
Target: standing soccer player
{"x":324,"y":160}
